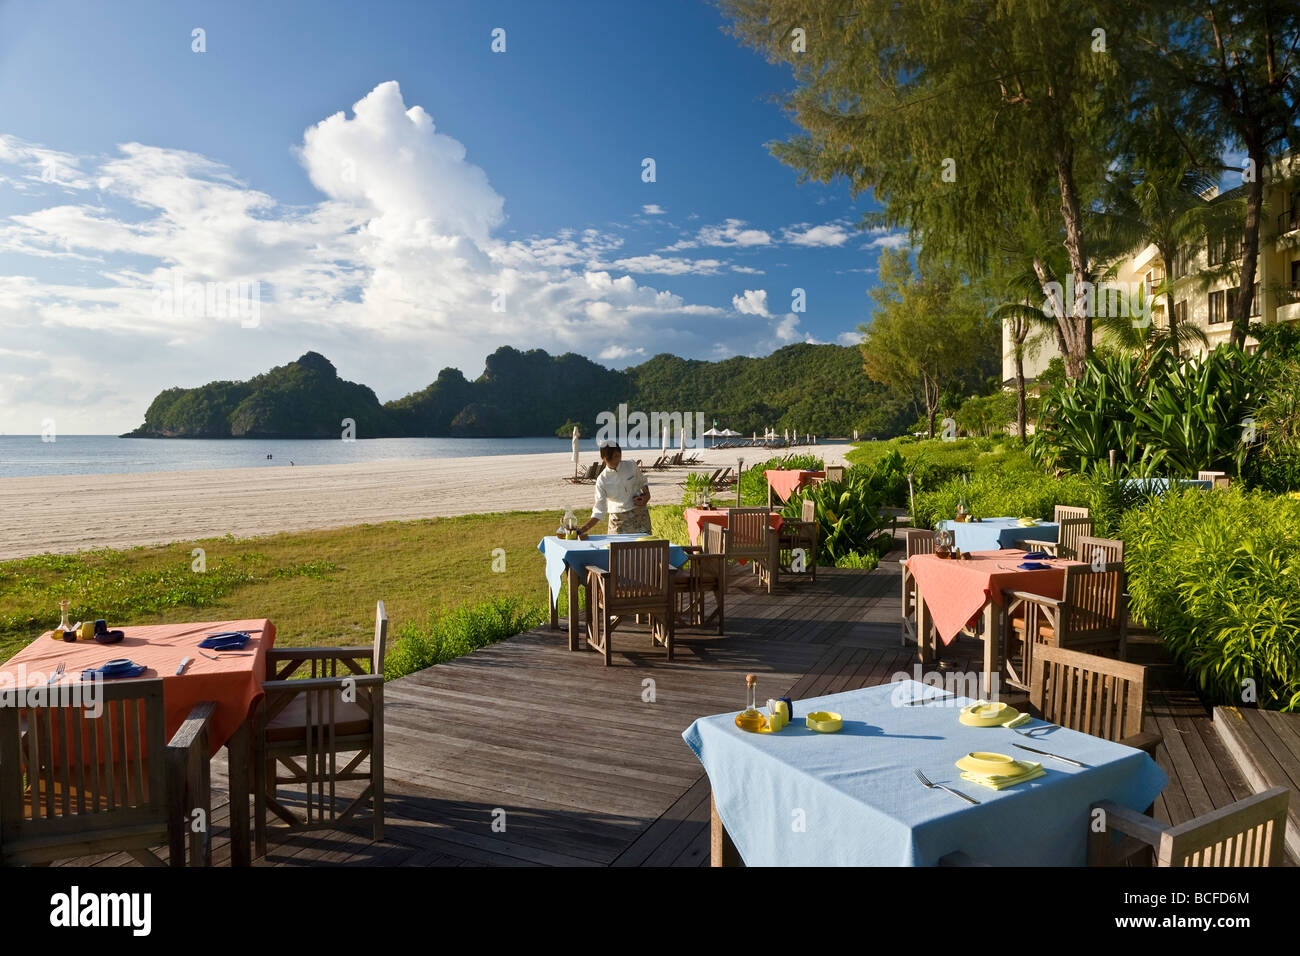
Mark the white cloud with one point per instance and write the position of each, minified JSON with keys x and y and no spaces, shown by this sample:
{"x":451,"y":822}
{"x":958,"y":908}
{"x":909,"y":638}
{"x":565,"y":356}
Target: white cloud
{"x":748,"y":270}
{"x":616,"y":353}
{"x":830,"y":234}
{"x":655,"y":264}
{"x":732,"y":232}
{"x":849,"y":338}
{"x":887,"y":239}
{"x":753,"y":302}
{"x":654,"y":209}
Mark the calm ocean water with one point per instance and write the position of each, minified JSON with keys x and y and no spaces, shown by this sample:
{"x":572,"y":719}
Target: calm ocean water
{"x":26,"y":455}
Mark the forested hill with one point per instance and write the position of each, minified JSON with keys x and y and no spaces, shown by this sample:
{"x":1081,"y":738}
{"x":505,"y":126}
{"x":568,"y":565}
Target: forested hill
{"x":812,"y":388}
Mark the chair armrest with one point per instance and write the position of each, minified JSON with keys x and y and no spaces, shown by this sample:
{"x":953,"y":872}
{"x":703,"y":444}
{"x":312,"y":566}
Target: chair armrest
{"x":1145,"y":741}
{"x":189,"y":788}
{"x":316,"y":653}
{"x":194,"y":727}
{"x":321,"y":683}
{"x":1010,"y":596}
{"x":1128,"y":822}
{"x":1030,"y":544}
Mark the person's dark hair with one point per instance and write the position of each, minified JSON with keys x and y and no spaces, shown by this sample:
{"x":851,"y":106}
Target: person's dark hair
{"x":608,"y":451}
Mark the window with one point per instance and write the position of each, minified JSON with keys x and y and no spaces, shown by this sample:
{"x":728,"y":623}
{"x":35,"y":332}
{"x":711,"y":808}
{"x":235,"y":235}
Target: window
{"x":1218,"y":301}
{"x":1180,"y":312}
{"x":1224,"y":249}
{"x":1254,"y":301}
{"x":1181,"y":259}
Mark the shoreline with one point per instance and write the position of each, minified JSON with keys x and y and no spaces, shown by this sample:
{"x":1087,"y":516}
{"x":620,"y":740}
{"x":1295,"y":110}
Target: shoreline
{"x":68,"y":513}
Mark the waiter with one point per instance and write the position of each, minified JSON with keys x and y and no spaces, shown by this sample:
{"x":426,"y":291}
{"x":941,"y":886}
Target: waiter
{"x":621,"y":493}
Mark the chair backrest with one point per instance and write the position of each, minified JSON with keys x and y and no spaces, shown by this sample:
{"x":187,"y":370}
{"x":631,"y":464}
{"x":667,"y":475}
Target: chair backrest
{"x":69,"y":777}
{"x":1110,"y":550}
{"x":1093,"y":600}
{"x":1074,"y":523}
{"x":381,"y":638}
{"x":808,"y":510}
{"x":1093,"y":695}
{"x":919,"y":541}
{"x":748,"y":530}
{"x":638,"y":570}
{"x":1247,"y":833}
{"x":713,"y":538}
{"x":835,"y":473}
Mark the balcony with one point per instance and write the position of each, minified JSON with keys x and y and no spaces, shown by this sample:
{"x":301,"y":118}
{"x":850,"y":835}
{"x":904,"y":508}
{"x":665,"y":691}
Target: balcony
{"x":1288,"y":222}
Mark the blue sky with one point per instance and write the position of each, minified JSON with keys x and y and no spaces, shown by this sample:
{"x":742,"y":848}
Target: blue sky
{"x":473,"y":198}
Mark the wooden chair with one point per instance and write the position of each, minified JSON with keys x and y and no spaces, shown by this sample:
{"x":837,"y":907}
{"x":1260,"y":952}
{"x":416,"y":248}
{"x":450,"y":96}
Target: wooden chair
{"x":1093,"y":695}
{"x":305,"y":728}
{"x":74,"y":784}
{"x":1218,"y":478}
{"x":639,"y":581}
{"x":749,"y":536}
{"x":704,"y":574}
{"x":1108,"y":550}
{"x":834,"y":472}
{"x":917,"y":541}
{"x":804,"y":534}
{"x":1092,"y":613}
{"x":1074,"y":523}
{"x":1247,"y":833}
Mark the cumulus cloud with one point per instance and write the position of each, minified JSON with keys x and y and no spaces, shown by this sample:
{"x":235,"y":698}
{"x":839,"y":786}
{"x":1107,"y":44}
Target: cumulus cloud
{"x":752,"y":302}
{"x":732,"y":232}
{"x":849,"y":338}
{"x":830,"y":234}
{"x":654,"y":209}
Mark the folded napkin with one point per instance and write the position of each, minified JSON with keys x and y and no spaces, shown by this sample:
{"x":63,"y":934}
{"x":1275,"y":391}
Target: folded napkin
{"x":105,"y":673}
{"x":1035,"y":555}
{"x":1033,"y":566}
{"x":1022,"y":719}
{"x":227,"y":641}
{"x":1031,"y":771}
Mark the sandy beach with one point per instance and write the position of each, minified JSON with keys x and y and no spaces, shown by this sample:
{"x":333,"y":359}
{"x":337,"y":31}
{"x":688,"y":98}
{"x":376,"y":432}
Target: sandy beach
{"x":67,"y":513}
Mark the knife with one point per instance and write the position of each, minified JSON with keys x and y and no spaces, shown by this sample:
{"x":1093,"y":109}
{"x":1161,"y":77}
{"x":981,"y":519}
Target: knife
{"x":922,"y":700}
{"x":1047,"y":753}
{"x":184,"y":664}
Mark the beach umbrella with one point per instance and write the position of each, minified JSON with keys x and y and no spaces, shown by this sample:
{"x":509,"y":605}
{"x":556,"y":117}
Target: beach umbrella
{"x":575,"y":451}
{"x":787,"y":434}
{"x":796,"y":436}
{"x":663,"y":439}
{"x":712,"y":433}
{"x":683,"y":435}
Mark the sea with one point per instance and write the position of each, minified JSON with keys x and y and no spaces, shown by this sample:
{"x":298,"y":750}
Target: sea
{"x":27,"y":456}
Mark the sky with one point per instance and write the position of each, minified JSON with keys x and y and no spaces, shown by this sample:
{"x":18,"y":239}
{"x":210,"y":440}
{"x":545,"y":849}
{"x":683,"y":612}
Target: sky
{"x":380,"y":185}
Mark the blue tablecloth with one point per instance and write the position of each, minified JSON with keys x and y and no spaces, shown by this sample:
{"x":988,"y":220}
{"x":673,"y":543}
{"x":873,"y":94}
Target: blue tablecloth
{"x":994,"y":534}
{"x":579,"y":555}
{"x":799,"y":798}
{"x":1161,"y":485}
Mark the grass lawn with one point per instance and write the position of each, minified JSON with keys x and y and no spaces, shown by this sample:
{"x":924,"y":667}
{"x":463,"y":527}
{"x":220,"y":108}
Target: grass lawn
{"x":317,"y":587}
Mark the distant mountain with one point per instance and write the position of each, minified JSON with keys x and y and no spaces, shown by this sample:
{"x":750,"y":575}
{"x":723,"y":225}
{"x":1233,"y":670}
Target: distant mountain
{"x":812,"y":388}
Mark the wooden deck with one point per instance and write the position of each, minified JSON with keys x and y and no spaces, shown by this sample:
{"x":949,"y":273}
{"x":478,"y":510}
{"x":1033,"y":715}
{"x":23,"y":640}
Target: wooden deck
{"x":585,"y":765}
{"x":1266,"y":747}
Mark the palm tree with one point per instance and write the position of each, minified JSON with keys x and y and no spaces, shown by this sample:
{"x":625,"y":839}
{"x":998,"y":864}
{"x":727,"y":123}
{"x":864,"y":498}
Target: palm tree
{"x":1029,"y":329}
{"x":1135,"y":334}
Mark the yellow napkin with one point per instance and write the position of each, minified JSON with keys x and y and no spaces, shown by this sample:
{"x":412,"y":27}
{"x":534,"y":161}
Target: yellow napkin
{"x":1031,"y":771}
{"x":1022,"y":719}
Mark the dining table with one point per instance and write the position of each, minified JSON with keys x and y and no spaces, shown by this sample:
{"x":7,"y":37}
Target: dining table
{"x":995,"y":534}
{"x":568,"y":560}
{"x":232,"y":682}
{"x":696,"y":517}
{"x":854,"y":798}
{"x":784,"y":482}
{"x":955,"y":593}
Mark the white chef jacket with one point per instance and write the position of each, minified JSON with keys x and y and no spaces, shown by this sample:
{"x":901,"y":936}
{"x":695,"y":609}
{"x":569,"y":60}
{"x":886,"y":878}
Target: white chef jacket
{"x":616,"y":489}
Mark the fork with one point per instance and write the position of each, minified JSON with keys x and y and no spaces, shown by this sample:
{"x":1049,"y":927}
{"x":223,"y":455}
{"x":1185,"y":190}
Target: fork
{"x":58,"y":672}
{"x":214,"y":657}
{"x":925,"y":782}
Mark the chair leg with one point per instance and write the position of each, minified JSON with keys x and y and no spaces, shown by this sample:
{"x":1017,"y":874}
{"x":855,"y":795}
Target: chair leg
{"x":606,"y":642}
{"x":259,"y":788}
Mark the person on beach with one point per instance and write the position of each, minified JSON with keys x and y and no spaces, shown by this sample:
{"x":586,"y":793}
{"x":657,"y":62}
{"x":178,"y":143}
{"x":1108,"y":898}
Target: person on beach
{"x":622,"y":493}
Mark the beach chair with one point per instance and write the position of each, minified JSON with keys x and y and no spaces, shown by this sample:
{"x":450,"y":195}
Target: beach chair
{"x":639,"y":581}
{"x":314,"y":733}
{"x":1247,"y":833}
{"x":704,"y":574}
{"x":73,"y":784}
{"x":1074,"y":523}
{"x":803,"y":534}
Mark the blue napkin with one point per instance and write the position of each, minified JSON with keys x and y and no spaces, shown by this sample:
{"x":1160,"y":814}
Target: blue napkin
{"x":1033,"y":566}
{"x":1035,"y":555}
{"x":106,"y":673}
{"x":226,"y":641}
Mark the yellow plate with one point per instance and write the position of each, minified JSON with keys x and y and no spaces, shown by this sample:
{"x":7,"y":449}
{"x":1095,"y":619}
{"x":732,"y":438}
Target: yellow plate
{"x":989,"y":764}
{"x":1027,"y":522}
{"x":986,"y":714}
{"x":824,"y":721}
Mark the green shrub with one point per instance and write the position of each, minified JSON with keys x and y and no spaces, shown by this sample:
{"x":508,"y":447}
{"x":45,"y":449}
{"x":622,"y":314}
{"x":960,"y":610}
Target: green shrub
{"x":848,"y":515}
{"x":865,"y":562}
{"x":1218,"y":576}
{"x":753,"y":483}
{"x":450,"y":634}
{"x":1002,"y":494}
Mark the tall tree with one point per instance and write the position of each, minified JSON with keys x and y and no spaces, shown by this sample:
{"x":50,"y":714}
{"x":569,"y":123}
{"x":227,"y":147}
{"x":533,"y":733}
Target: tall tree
{"x":1230,"y":65}
{"x":925,"y":328}
{"x":952,"y":110}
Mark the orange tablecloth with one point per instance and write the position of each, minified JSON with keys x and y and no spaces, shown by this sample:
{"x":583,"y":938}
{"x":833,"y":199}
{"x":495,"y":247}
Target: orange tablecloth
{"x":233,"y":682}
{"x":698,"y":516}
{"x":785,"y":483}
{"x":955,"y":591}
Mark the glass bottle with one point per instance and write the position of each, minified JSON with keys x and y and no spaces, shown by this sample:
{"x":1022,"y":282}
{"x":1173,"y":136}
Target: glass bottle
{"x":64,"y":623}
{"x":570,"y":522}
{"x":751,"y":718}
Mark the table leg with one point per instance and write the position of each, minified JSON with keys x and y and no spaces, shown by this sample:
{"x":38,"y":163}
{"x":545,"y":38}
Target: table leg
{"x":722,"y":852}
{"x":238,"y":752}
{"x":574,"y":623}
{"x":922,"y":625}
{"x":992,"y":618}
{"x":554,"y":608}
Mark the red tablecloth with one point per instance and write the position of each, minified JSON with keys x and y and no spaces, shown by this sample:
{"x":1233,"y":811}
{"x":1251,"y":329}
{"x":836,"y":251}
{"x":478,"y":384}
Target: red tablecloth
{"x":233,"y":682}
{"x":955,"y":591}
{"x":698,"y":516}
{"x":786,"y":483}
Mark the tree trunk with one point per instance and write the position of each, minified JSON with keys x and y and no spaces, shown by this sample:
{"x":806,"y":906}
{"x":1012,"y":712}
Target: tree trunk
{"x":1064,"y":328}
{"x":931,"y":401}
{"x":1166,"y":256}
{"x":1020,"y":392}
{"x":1249,"y":247}
{"x":1080,"y":321}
